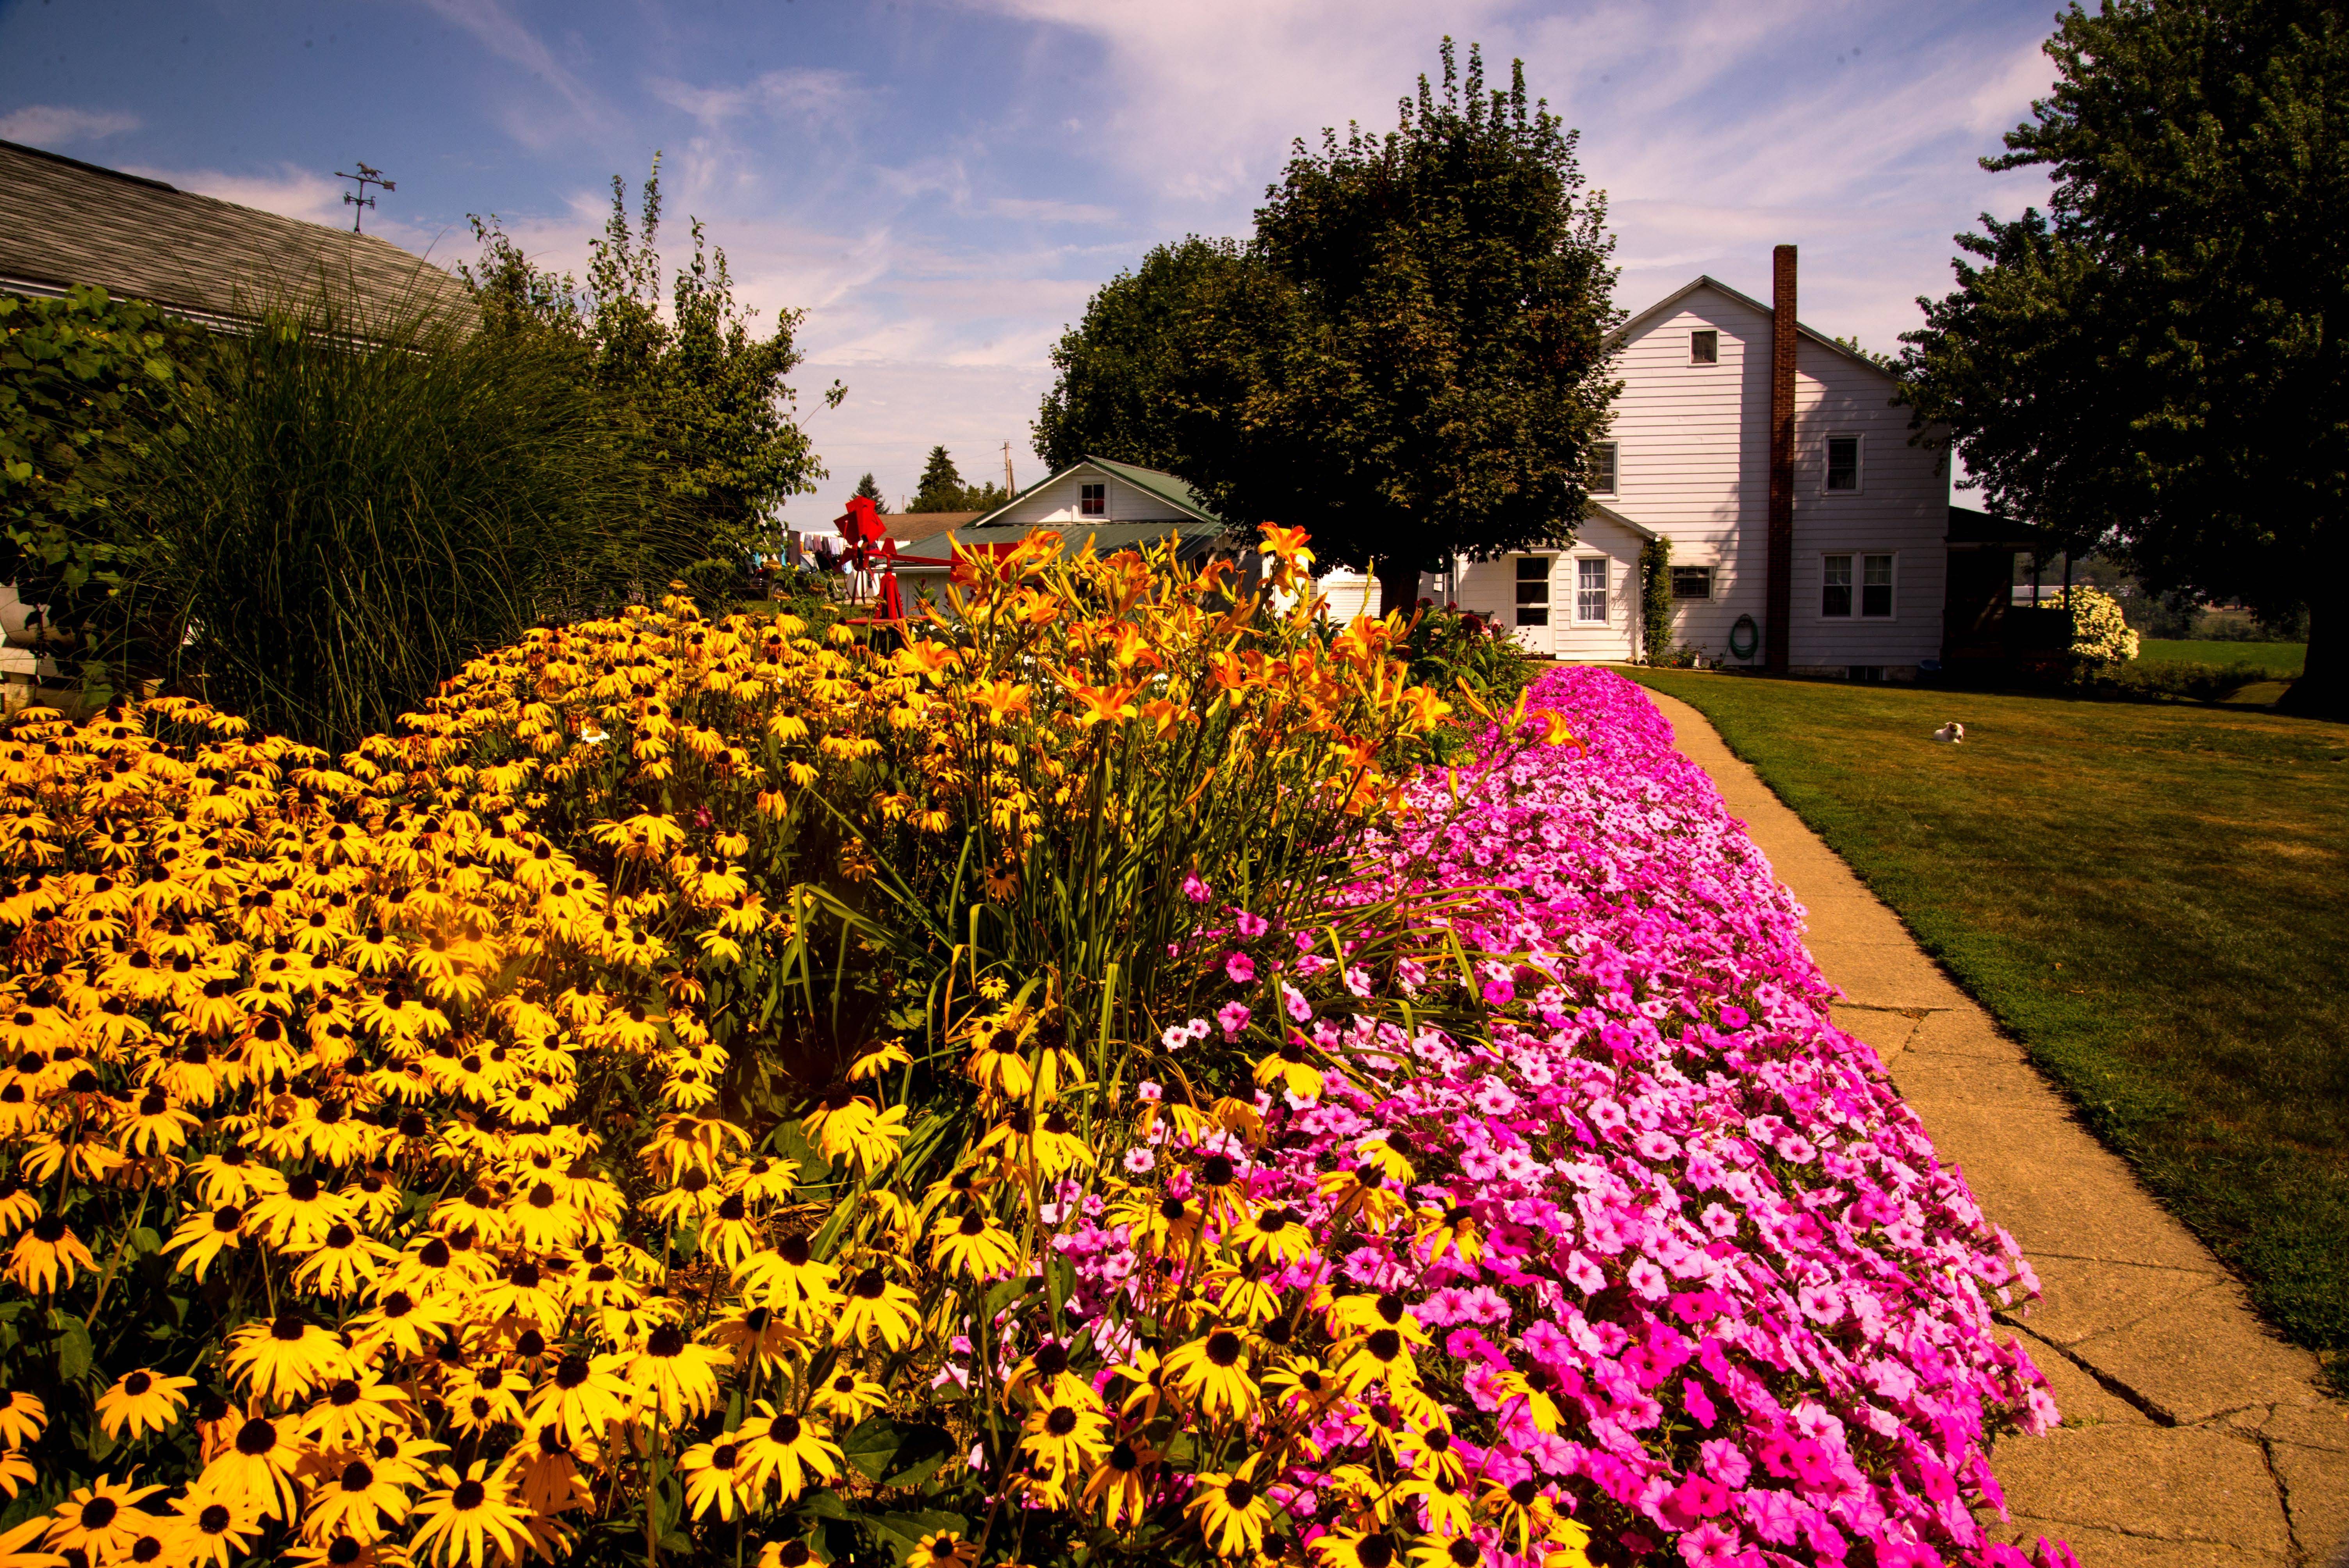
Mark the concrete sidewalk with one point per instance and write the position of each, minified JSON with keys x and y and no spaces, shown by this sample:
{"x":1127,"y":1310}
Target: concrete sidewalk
{"x":2191,"y":1435}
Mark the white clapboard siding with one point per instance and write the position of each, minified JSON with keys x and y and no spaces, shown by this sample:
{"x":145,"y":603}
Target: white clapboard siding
{"x":1693,"y":464}
{"x":1060,"y":501}
{"x":1489,"y":588}
{"x":1900,"y":509}
{"x":1693,"y":455}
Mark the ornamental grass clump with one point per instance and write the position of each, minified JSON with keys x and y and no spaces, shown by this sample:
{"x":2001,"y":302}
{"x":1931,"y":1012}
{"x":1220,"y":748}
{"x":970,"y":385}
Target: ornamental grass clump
{"x":1061,"y":1085}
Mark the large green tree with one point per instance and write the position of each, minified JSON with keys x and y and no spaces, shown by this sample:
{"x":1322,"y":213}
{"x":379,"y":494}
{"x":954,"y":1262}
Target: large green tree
{"x":872,"y":492}
{"x":696,"y":390}
{"x":1134,"y":381}
{"x":1409,"y":357}
{"x":2159,"y":363}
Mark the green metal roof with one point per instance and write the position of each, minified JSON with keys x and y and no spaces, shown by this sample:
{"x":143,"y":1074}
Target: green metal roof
{"x":1195,"y":538}
{"x":1165,"y":486}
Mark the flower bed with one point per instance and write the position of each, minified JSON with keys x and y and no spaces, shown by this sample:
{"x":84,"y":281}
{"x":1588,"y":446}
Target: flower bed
{"x":700,"y":1088}
{"x":1678,"y":1252}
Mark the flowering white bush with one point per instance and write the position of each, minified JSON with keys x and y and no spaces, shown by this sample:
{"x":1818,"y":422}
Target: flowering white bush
{"x":2099,"y":631}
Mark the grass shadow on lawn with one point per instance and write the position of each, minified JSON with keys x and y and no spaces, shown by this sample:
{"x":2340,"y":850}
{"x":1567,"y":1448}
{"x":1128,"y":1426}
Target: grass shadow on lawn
{"x":2150,"y":898}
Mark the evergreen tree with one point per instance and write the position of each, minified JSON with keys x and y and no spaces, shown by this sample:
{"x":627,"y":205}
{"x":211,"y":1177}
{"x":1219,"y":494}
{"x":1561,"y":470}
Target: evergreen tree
{"x":941,"y":486}
{"x":872,"y":492}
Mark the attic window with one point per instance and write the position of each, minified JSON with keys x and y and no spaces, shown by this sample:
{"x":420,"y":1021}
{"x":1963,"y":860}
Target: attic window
{"x":1092,"y":500}
{"x":1705,"y":347}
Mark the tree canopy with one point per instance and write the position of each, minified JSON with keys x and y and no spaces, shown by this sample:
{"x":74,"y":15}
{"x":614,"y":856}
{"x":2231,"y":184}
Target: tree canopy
{"x":1409,"y":357}
{"x":2155,"y":365}
{"x":1133,"y":375}
{"x":695,"y":392}
{"x":872,"y":492}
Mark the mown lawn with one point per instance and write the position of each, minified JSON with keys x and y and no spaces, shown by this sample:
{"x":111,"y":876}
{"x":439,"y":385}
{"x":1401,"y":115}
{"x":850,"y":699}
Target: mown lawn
{"x":2150,"y":898}
{"x":2284,"y":658}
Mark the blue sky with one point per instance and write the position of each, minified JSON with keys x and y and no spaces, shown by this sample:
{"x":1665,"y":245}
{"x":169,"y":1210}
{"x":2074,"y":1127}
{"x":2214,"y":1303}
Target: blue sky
{"x":940,"y":184}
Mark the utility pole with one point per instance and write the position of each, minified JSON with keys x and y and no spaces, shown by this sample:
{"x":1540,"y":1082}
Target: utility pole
{"x":365,"y":177}
{"x":1008,"y":490}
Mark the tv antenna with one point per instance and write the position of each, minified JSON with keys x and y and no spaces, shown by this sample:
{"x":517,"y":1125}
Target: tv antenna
{"x":365,"y":177}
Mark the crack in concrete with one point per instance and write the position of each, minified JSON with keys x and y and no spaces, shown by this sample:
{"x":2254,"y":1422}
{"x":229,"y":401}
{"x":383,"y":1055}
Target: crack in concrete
{"x":2115,"y":1387}
{"x":2283,"y":1494}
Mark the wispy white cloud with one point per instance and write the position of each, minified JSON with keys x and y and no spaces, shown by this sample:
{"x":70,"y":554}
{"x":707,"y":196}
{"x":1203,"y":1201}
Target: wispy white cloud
{"x":1717,"y":127}
{"x":54,"y":125}
{"x":507,"y":38}
{"x":811,"y":96}
{"x":1051,"y":211}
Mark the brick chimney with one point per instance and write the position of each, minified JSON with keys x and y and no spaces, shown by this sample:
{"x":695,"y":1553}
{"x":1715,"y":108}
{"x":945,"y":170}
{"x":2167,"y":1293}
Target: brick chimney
{"x":1779,"y":609}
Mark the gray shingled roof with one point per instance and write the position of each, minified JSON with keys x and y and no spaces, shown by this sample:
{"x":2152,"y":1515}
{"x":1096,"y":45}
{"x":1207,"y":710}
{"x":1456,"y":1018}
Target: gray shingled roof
{"x":63,"y":221}
{"x":913,"y":527}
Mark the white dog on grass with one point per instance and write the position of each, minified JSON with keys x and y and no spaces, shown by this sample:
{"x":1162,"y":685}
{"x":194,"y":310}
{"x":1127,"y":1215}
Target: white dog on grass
{"x":1951,"y":732}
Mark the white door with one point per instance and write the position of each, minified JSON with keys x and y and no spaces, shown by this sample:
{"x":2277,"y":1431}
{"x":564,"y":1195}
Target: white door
{"x":1536,"y":613}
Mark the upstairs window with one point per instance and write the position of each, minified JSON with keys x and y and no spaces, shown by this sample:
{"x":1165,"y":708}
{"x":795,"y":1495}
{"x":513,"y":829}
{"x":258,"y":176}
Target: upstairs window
{"x":1602,"y":468}
{"x":1092,"y":500}
{"x":1842,"y":462}
{"x":1532,"y":590}
{"x":1590,"y":589}
{"x":1705,"y":347}
{"x":1835,"y":596}
{"x":1691,"y":582}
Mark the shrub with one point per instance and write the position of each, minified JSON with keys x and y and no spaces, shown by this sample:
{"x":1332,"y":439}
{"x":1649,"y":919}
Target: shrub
{"x":86,"y":387}
{"x":2176,"y":680}
{"x":360,"y":505}
{"x":2101,"y":634}
{"x":1451,"y":648}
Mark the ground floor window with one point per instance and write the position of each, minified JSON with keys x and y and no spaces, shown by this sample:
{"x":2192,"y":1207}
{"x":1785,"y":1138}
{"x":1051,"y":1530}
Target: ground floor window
{"x":1875,"y":585}
{"x":1532,"y":590}
{"x":1691,"y":582}
{"x":1874,"y":582}
{"x":1590,"y":589}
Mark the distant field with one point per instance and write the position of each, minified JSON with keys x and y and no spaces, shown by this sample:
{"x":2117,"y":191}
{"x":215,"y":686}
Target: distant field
{"x":2284,"y":658}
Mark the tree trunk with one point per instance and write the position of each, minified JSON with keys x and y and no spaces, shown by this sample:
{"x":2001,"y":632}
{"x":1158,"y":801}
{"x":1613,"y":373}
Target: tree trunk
{"x":1398,"y":584}
{"x":2322,"y":689}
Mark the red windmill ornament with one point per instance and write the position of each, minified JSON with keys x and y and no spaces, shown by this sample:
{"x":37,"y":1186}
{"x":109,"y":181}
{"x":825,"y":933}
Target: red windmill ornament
{"x":868,"y":543}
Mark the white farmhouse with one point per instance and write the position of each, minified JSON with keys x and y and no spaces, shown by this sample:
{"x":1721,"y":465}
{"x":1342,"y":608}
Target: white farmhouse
{"x":1807,"y":533}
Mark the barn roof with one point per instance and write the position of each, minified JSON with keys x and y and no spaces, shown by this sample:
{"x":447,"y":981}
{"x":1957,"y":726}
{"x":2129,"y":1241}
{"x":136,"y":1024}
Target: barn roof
{"x":64,"y":221}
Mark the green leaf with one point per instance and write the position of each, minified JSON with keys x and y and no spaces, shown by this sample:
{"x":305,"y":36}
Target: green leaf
{"x":791,"y":1143}
{"x":897,"y":1453}
{"x":899,"y":1533}
{"x":75,"y":1351}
